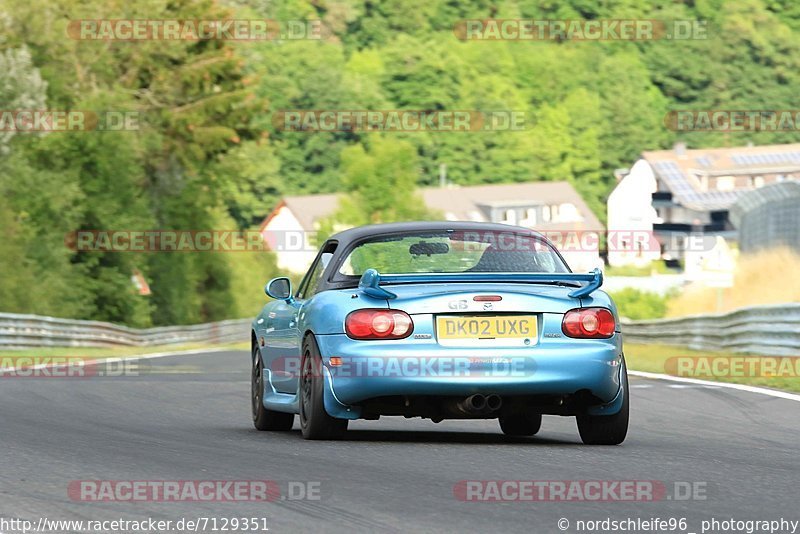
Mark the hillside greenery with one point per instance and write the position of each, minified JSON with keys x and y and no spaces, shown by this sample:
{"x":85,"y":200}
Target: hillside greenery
{"x":208,"y":155}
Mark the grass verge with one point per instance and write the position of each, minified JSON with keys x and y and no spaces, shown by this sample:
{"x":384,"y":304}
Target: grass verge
{"x":656,"y":359}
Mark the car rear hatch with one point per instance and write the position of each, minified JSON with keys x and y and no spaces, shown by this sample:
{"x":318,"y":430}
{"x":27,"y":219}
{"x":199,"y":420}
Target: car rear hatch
{"x":502,"y":314}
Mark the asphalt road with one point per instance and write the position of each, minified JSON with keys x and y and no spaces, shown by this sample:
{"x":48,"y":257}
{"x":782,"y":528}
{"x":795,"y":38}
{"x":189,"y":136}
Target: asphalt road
{"x":188,"y":418}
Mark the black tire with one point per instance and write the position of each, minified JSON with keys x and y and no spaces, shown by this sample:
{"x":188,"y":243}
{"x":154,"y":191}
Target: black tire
{"x":264,"y":419}
{"x":521,"y":424}
{"x":606,"y":429}
{"x":315,"y":422}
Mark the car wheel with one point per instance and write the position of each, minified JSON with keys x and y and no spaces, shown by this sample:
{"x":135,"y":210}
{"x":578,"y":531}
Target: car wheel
{"x":521,"y":424}
{"x":264,"y":419}
{"x":315,"y":422}
{"x":606,"y":429}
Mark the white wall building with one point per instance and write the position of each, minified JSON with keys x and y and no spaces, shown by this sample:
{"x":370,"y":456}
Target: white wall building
{"x":682,"y":198}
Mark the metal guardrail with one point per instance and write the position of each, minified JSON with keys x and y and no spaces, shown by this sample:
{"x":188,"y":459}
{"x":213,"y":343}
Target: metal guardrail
{"x":772,"y":330}
{"x":769,"y":330}
{"x":19,"y":331}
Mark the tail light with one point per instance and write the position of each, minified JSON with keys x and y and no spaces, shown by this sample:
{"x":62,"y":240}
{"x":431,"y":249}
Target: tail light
{"x":378,"y":324}
{"x":591,"y":323}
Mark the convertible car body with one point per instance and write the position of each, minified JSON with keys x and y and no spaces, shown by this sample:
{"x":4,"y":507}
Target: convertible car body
{"x":439,"y":320}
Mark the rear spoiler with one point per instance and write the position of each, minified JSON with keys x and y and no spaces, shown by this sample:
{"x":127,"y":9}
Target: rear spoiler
{"x":371,"y":280}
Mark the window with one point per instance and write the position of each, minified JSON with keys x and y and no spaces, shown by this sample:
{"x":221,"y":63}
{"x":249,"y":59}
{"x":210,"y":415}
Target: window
{"x":453,"y":252}
{"x":568,"y":212}
{"x":530,"y":217}
{"x":308,"y":287}
{"x":726,"y":183}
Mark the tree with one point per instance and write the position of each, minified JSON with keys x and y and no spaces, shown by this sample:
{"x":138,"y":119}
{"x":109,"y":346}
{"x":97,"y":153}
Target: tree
{"x":380,"y":185}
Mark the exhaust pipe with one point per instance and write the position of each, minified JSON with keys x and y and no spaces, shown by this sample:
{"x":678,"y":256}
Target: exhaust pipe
{"x":494,"y":402}
{"x":474,"y":404}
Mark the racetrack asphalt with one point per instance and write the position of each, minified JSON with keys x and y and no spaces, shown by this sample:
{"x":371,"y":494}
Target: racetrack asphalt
{"x":187,"y":417}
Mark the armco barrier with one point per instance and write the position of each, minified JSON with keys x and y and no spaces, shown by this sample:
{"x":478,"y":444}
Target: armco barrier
{"x":770,"y":330}
{"x":19,"y":331}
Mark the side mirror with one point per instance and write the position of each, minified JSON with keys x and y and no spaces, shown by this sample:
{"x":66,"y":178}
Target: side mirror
{"x":279,"y":288}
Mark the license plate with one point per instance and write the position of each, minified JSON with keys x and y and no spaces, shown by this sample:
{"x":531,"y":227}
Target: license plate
{"x":487,"y":327}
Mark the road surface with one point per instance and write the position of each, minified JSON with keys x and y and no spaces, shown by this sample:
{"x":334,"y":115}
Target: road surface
{"x":188,"y":418}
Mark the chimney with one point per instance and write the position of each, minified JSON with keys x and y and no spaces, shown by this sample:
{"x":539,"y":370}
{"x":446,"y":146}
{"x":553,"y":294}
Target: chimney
{"x":680,"y":149}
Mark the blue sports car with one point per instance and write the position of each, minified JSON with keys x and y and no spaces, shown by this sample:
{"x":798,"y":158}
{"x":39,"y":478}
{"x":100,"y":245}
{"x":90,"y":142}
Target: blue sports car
{"x":440,"y":320}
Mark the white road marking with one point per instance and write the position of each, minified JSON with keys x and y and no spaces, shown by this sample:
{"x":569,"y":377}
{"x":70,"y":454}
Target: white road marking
{"x":676,"y":386}
{"x":691,"y":386}
{"x":740,"y":387}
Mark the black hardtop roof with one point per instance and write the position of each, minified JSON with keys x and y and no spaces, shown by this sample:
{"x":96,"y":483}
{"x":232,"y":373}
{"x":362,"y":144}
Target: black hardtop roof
{"x":357,"y":234}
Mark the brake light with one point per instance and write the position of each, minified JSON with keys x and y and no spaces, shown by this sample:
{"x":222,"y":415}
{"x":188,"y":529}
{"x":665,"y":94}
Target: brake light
{"x":487,"y":298}
{"x":378,"y":324}
{"x":591,"y":323}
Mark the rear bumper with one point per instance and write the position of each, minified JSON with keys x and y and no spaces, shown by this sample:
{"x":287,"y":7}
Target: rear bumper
{"x":419,"y":368}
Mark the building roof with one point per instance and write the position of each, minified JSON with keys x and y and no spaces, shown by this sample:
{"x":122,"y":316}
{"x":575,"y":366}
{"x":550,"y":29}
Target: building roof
{"x":466,"y":203}
{"x":677,"y":169}
{"x":310,"y":208}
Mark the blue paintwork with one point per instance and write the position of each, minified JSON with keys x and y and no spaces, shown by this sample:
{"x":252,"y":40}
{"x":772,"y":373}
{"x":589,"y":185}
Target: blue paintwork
{"x":550,"y":363}
{"x":553,"y":364}
{"x":370,"y":284}
{"x":595,"y":282}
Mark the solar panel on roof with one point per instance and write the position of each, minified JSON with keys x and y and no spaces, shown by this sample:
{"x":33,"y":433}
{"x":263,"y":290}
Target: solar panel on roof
{"x":767,"y":158}
{"x":686,"y":194}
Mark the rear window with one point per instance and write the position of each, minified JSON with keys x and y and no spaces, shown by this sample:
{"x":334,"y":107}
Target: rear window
{"x":453,"y":252}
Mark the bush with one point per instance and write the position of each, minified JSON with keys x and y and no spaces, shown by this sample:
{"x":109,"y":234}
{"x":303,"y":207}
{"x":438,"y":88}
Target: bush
{"x":636,"y":304}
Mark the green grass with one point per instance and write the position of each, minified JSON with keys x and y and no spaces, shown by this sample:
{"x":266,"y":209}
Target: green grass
{"x":7,"y":356}
{"x":654,"y":359}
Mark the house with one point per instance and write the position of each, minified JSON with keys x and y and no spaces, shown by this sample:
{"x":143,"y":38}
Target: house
{"x":554,"y":208}
{"x":684,"y":197}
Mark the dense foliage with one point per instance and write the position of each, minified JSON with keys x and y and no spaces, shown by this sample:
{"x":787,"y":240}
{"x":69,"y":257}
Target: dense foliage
{"x":209,"y":156}
{"x":636,"y":304}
